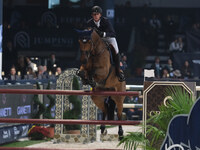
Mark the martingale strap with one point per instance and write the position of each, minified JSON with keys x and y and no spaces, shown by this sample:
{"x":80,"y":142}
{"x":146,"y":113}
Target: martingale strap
{"x":104,"y":81}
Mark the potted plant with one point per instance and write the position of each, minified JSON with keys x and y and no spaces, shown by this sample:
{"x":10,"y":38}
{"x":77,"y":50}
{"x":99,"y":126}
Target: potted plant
{"x":39,"y":109}
{"x":157,"y":124}
{"x":38,"y":133}
{"x":75,"y":111}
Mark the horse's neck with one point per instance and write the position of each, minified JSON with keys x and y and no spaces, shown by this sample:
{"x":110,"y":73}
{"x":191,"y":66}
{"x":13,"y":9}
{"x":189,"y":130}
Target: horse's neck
{"x":99,"y":44}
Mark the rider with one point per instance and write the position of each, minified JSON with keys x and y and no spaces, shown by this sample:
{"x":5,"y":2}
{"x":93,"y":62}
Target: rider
{"x":106,"y":31}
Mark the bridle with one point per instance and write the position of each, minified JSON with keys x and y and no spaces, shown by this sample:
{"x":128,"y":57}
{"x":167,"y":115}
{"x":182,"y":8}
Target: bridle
{"x":93,"y":46}
{"x":91,"y":53}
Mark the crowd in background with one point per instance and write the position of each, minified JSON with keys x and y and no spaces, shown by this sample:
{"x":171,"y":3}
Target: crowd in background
{"x":149,"y":29}
{"x":174,"y":35}
{"x":28,"y":70}
{"x":168,"y":71}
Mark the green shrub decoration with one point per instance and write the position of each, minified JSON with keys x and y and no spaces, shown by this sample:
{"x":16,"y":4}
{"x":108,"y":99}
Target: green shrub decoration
{"x":40,"y":106}
{"x":42,"y":109}
{"x":157,"y":124}
{"x":75,"y":112}
{"x":47,"y":113}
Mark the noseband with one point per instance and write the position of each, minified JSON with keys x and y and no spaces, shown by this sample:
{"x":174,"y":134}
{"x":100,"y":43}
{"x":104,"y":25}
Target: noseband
{"x":91,"y":52}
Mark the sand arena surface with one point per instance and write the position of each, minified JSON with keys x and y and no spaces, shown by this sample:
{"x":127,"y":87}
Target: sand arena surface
{"x":95,"y":145}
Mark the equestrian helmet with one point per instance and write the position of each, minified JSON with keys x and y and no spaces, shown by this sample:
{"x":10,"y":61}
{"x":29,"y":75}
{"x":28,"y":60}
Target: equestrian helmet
{"x":96,"y":9}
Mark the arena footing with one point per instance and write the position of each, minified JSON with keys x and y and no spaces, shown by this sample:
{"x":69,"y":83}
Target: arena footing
{"x":36,"y":148}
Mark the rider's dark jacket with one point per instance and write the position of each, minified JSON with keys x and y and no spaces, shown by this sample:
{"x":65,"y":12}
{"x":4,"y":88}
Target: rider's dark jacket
{"x":105,"y":26}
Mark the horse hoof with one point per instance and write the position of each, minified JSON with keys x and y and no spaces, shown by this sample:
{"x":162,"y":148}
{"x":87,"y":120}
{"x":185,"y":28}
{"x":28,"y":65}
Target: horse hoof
{"x":120,"y":132}
{"x":84,"y":82}
{"x":121,"y":137}
{"x":105,"y":132}
{"x":92,"y":84}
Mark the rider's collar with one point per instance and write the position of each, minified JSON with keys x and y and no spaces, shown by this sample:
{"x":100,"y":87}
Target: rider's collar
{"x":97,"y":23}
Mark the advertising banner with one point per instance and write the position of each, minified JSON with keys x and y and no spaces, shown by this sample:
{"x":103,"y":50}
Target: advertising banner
{"x":16,"y":105}
{"x":11,"y":133}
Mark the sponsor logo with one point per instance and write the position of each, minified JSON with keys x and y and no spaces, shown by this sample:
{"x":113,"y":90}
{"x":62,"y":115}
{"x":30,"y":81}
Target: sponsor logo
{"x":6,"y":134}
{"x":16,"y":131}
{"x":5,"y":112}
{"x":25,"y":130}
{"x":22,"y":39}
{"x":49,"y":18}
{"x":23,"y":110}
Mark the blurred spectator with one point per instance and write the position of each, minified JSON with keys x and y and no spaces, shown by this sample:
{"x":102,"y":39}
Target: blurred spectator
{"x":52,"y":63}
{"x":177,"y":73}
{"x":58,"y":71}
{"x":40,"y":74}
{"x":176,"y":46}
{"x":21,"y":66}
{"x":186,"y":70}
{"x":157,"y":67}
{"x":155,"y":22}
{"x":123,"y":62}
{"x":13,"y":75}
{"x":169,"y":67}
{"x":195,"y":27}
{"x":30,"y":74}
{"x":30,"y":64}
{"x":132,"y":113}
{"x":165,"y":73}
{"x":180,"y":43}
{"x":45,"y":72}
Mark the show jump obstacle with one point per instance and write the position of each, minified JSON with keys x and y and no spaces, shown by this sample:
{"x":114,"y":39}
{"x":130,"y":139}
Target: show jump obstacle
{"x":89,"y":110}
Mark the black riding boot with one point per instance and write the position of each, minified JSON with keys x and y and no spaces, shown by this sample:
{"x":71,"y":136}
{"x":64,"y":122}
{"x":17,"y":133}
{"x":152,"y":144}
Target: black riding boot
{"x":119,"y":73}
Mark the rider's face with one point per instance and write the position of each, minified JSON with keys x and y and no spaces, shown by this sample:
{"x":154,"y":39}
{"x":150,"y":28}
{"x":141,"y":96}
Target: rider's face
{"x":96,"y":16}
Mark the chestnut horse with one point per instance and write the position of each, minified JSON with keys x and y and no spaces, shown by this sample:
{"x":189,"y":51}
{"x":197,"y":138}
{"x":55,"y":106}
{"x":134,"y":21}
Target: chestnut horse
{"x":96,"y":69}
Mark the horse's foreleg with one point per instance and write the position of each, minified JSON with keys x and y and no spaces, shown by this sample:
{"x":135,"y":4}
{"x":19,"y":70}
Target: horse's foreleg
{"x":83,"y":75}
{"x":99,"y":102}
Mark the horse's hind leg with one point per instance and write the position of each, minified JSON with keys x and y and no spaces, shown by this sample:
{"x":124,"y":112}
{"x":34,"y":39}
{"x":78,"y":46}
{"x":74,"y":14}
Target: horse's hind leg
{"x":110,"y":108}
{"x":119,"y":102}
{"x":103,"y":127}
{"x":99,"y":102}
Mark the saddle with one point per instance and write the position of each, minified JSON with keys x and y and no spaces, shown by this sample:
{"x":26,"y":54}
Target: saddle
{"x":111,"y":50}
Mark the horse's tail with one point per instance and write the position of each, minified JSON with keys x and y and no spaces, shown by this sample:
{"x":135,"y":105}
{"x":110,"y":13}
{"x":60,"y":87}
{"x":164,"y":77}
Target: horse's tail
{"x":110,"y":107}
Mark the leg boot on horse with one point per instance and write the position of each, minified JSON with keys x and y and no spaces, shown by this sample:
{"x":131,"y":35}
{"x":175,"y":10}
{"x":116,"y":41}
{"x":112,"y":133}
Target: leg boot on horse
{"x":103,"y":127}
{"x":119,"y":73}
{"x":81,"y":74}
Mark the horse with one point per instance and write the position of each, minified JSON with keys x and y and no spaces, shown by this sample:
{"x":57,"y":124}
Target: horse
{"x":97,"y":70}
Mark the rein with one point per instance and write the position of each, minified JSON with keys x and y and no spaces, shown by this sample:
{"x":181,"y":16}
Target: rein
{"x":92,"y":54}
{"x":94,"y":46}
{"x":98,"y":54}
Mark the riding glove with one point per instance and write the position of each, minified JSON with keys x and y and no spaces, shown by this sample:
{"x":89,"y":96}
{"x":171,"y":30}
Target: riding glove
{"x":100,"y":33}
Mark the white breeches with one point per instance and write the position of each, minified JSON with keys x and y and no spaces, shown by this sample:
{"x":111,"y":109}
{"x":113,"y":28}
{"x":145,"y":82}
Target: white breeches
{"x":112,"y":40}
